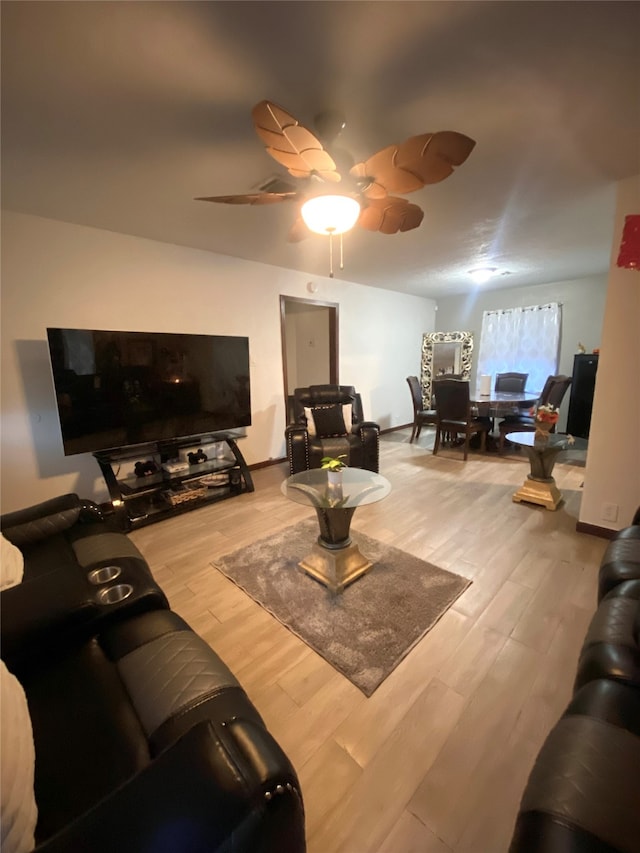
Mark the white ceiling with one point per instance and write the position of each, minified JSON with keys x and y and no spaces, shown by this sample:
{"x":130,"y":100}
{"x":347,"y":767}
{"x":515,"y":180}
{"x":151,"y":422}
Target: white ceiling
{"x":117,"y":114}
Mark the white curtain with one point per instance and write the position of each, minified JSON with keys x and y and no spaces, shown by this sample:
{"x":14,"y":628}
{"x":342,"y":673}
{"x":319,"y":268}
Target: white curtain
{"x":523,"y":340}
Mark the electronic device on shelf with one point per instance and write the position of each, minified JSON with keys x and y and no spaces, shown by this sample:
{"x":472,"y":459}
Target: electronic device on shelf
{"x":196,"y":458}
{"x":175,"y":466}
{"x":145,"y":469}
{"x":117,"y":389}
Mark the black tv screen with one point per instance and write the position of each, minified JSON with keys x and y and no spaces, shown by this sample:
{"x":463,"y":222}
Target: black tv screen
{"x":115,"y":389}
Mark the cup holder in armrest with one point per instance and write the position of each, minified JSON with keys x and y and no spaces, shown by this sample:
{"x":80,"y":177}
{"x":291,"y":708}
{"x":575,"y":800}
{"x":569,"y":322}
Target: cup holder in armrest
{"x":104,"y":575}
{"x":115,"y":594}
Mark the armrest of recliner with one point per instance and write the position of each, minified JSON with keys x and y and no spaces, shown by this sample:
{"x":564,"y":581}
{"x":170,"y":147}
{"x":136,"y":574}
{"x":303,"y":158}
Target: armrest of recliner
{"x":54,"y":609}
{"x":221,"y":788}
{"x":297,"y":439}
{"x":25,"y":526}
{"x":39,"y":613}
{"x":365,"y":427}
{"x":369,"y":433}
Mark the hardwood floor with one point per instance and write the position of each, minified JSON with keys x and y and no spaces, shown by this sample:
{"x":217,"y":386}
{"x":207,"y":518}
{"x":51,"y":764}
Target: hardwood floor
{"x":436,"y":760}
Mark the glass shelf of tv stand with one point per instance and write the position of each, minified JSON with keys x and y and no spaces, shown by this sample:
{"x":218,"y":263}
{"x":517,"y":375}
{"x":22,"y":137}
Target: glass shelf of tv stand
{"x":141,"y":500}
{"x":138,"y":486}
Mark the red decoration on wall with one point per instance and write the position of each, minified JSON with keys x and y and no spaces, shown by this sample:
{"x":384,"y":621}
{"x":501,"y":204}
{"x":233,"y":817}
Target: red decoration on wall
{"x":629,"y":256}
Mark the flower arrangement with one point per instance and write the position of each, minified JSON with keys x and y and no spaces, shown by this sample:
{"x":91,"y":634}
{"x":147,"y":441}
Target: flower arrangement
{"x":545,"y":414}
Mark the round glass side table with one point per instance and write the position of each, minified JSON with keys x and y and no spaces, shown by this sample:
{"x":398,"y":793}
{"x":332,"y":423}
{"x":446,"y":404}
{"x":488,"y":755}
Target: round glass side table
{"x":540,"y":487}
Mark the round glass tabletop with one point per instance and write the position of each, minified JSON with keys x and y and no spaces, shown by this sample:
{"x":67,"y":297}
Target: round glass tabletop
{"x":358,"y":487}
{"x":557,"y":441}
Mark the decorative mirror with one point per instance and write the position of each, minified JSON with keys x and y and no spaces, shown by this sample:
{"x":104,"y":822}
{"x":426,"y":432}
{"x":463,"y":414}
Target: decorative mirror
{"x":444,"y":354}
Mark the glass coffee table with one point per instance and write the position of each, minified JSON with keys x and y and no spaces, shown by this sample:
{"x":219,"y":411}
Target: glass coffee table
{"x":335,"y":560}
{"x":540,"y":487}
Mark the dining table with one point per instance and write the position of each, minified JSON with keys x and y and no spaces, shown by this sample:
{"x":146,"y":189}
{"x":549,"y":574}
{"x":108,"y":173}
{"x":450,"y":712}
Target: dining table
{"x":499,"y":403}
{"x":499,"y":398}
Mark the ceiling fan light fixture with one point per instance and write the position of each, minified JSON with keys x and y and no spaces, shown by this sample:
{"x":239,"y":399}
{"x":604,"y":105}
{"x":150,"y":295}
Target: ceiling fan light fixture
{"x":480,"y":275}
{"x":330,"y":214}
{"x":401,"y":168}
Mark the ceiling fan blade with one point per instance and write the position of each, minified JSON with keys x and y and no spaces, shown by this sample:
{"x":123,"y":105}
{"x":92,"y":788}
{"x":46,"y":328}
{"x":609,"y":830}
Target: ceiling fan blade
{"x":312,"y":163}
{"x":291,"y":144}
{"x":419,"y":160}
{"x":251,"y":198}
{"x":431,"y":157}
{"x":452,"y":146}
{"x":390,"y":215}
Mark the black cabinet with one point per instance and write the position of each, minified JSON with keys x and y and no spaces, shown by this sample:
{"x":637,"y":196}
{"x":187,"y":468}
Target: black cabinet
{"x":141,"y":500}
{"x":585,"y":367}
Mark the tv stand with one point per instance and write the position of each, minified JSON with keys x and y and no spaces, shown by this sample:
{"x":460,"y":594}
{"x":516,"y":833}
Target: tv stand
{"x":138,"y":501}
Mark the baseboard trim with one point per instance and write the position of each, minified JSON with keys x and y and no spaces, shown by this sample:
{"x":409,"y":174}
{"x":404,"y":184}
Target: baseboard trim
{"x":594,"y":530}
{"x":395,"y":428}
{"x":266,"y":464}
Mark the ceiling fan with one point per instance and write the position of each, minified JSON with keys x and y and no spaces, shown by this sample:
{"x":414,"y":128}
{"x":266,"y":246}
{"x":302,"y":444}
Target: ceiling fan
{"x":366,"y":189}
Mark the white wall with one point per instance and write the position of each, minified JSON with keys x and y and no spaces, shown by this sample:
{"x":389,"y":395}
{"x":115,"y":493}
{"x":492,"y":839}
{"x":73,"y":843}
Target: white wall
{"x":613,"y":461}
{"x":582,"y":302}
{"x":62,"y":275}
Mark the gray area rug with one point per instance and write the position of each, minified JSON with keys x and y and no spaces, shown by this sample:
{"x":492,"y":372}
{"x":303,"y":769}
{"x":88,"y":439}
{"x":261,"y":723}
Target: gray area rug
{"x":366,"y":631}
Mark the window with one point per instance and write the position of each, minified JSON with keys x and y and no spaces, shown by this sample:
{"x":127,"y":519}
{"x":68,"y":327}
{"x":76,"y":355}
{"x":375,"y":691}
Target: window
{"x":525,"y":340}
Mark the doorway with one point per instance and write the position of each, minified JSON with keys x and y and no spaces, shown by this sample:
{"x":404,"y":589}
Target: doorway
{"x":309,"y":330}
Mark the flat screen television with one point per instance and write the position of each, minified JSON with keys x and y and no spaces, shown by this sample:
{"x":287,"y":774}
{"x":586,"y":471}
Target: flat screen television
{"x":116,"y":389}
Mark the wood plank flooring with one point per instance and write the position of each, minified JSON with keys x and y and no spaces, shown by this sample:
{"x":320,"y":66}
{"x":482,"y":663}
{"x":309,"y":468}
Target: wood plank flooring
{"x":436,"y":760}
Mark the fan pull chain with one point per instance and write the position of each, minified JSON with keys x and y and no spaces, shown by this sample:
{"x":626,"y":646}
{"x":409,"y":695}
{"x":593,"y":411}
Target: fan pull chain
{"x":330,"y":254}
{"x":330,"y":233}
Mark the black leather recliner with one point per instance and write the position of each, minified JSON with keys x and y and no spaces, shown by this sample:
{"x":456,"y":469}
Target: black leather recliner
{"x":621,"y":560}
{"x":324,"y":427}
{"x":583,"y":792}
{"x":76,"y":563}
{"x":144,"y":739}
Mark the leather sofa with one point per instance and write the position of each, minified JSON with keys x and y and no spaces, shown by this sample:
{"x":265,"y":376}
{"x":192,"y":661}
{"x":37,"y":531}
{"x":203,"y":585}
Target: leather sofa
{"x":583,"y":793}
{"x":144,"y":739}
{"x":621,"y":560}
{"x":328,"y":421}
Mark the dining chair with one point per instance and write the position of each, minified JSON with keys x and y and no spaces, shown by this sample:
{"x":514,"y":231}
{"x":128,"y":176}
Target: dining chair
{"x":510,"y":383}
{"x":513,"y":382}
{"x":555,"y":388}
{"x":454,"y":415}
{"x":421,"y":416}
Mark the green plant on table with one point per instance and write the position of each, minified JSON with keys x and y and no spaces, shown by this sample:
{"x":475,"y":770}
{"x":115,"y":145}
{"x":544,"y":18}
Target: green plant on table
{"x":333,"y":463}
